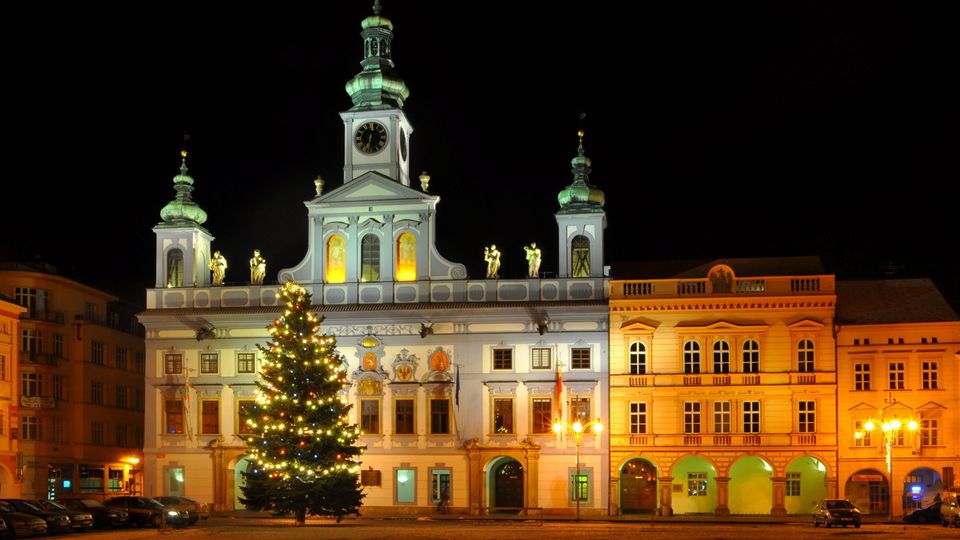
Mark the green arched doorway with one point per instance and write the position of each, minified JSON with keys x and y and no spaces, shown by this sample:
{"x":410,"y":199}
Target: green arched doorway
{"x":507,"y":486}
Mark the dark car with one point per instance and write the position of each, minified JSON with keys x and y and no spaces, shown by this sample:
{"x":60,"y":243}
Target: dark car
{"x":147,"y":511}
{"x":926,"y":514}
{"x":103,"y":517}
{"x":836,"y":512}
{"x":19,"y":524}
{"x":79,"y":520}
{"x":56,"y":522}
{"x":196,"y":509}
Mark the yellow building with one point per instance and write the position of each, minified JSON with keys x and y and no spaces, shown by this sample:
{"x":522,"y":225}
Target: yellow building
{"x":723,"y":388}
{"x":9,"y":449}
{"x":78,"y":417}
{"x":898,"y":344}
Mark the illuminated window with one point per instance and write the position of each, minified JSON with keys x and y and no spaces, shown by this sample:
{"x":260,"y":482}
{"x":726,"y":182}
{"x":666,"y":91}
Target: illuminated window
{"x":638,"y":418}
{"x":805,"y":355}
{"x":697,"y":484}
{"x":864,"y":438}
{"x":210,"y":416}
{"x":580,"y":260}
{"x":721,"y":357}
{"x":691,"y":357}
{"x":174,"y":268}
{"x":580,"y":411}
{"x":580,"y":485}
{"x":405,"y":486}
{"x":721,"y":417}
{"x":751,"y":356}
{"x":503,"y":416}
{"x":173,"y":411}
{"x":244,"y":413}
{"x":861,"y":377}
{"x":370,"y":258}
{"x":542,"y":415}
{"x":406,"y":257}
{"x":638,"y":358}
{"x":336,"y":259}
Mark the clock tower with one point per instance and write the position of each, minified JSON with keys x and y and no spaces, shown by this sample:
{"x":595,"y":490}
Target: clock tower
{"x":376,"y":131}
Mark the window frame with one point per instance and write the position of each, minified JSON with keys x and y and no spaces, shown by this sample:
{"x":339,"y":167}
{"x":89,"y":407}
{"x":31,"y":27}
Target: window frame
{"x":502,"y":352}
{"x":806,"y":355}
{"x":751,"y":416}
{"x":204,"y":416}
{"x":637,"y":420}
{"x":499,"y":420}
{"x":206,"y":360}
{"x":536,"y":360}
{"x":692,"y":419}
{"x":444,"y":415}
{"x":173,"y":363}
{"x":692,"y":361}
{"x":537,"y":426}
{"x":412,"y":416}
{"x":750,"y":356}
{"x":929,"y":374}
{"x":862,"y":376}
{"x":637,"y":354}
{"x":243,"y":360}
{"x":170,"y":415}
{"x":722,"y":417}
{"x":721,"y":356}
{"x":370,"y":416}
{"x":577,"y":360}
{"x":806,"y":416}
{"x":896,"y":374}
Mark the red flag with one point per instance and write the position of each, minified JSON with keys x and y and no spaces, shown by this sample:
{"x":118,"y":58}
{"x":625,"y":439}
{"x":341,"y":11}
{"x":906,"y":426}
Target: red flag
{"x":558,"y":391}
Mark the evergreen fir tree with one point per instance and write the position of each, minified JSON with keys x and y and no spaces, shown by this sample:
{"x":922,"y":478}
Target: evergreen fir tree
{"x":301,"y":445}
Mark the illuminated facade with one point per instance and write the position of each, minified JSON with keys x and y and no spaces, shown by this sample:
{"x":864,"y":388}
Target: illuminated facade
{"x":78,"y":418}
{"x":898,"y":344}
{"x":723,"y":389}
{"x":10,"y":457}
{"x":453,"y":380}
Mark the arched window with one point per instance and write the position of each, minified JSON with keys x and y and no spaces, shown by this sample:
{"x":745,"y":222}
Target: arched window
{"x":580,"y":259}
{"x":638,"y":358}
{"x":721,"y":357}
{"x":370,"y":258}
{"x":406,"y":257}
{"x":336,"y":259}
{"x":691,"y":357}
{"x":175,"y":268}
{"x":805,"y":355}
{"x":751,"y":356}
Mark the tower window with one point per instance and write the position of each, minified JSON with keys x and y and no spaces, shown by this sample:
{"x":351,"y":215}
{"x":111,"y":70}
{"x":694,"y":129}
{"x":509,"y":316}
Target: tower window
{"x":580,"y":260}
{"x":175,"y":268}
{"x":406,"y":257}
{"x":370,"y":258}
{"x":336,"y":259}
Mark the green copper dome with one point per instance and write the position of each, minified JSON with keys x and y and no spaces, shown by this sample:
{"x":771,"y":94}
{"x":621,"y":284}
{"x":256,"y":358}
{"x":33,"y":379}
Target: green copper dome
{"x":377,"y":86}
{"x":580,"y":196}
{"x":182,"y":211}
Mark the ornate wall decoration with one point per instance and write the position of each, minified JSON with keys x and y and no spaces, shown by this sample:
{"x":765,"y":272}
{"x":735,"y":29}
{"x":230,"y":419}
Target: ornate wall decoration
{"x":405,"y":366}
{"x":439,"y":365}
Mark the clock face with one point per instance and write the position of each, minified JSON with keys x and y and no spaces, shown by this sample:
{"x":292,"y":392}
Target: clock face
{"x":371,"y":137}
{"x":403,"y":145}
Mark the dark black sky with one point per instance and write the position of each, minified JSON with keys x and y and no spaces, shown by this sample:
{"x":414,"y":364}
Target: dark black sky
{"x":715,"y":131}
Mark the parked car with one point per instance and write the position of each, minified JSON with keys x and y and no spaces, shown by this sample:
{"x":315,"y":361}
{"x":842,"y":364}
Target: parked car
{"x":103,"y":517}
{"x":927,"y":514}
{"x":836,"y":512}
{"x":198,"y":510}
{"x":56,"y":522}
{"x":79,"y":520}
{"x":147,"y":511}
{"x":949,"y":509}
{"x":20,"y":525}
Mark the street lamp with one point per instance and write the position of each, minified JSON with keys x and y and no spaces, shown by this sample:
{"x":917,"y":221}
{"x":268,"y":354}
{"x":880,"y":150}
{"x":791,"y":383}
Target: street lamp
{"x":577,"y":428}
{"x":890,"y":428}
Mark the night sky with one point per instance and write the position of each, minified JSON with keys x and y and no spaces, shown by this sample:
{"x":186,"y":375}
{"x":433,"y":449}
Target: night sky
{"x":715,"y":131}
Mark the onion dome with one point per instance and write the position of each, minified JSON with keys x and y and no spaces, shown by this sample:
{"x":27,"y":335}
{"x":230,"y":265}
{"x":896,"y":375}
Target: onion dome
{"x":580,"y":196}
{"x":377,"y":87}
{"x":182,"y":211}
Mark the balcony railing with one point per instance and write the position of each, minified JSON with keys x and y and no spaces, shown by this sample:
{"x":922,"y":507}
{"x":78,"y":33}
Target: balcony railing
{"x":44,"y":316}
{"x":769,"y":286}
{"x":726,"y":440}
{"x":30,"y":357}
{"x":779,"y":378}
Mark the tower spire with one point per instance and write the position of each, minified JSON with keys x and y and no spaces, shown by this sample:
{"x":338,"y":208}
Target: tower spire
{"x":377,"y":87}
{"x":182,"y":211}
{"x":581,"y":196}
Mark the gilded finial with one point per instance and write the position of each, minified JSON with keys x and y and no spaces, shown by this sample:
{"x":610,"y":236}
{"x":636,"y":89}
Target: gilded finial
{"x":376,"y":7}
{"x":318,"y":183}
{"x":424,"y":181}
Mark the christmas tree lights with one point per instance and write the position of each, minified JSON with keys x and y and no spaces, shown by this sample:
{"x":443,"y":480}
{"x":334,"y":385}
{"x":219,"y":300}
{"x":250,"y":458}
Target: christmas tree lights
{"x":306,"y":459}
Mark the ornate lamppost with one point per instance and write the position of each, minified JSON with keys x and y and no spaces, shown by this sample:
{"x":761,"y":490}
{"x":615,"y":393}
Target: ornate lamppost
{"x":577,"y":428}
{"x":891,"y":429}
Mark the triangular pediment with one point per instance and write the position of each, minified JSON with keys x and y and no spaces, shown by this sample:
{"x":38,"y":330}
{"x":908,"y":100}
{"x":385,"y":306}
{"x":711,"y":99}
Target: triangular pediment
{"x":863,"y":406}
{"x":931,"y":406}
{"x":372,"y":188}
{"x":805,"y":324}
{"x":639,"y":325}
{"x":897,"y":408}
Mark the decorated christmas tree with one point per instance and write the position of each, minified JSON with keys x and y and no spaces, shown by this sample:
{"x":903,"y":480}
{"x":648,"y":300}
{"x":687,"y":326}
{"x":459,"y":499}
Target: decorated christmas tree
{"x":301,"y":443}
